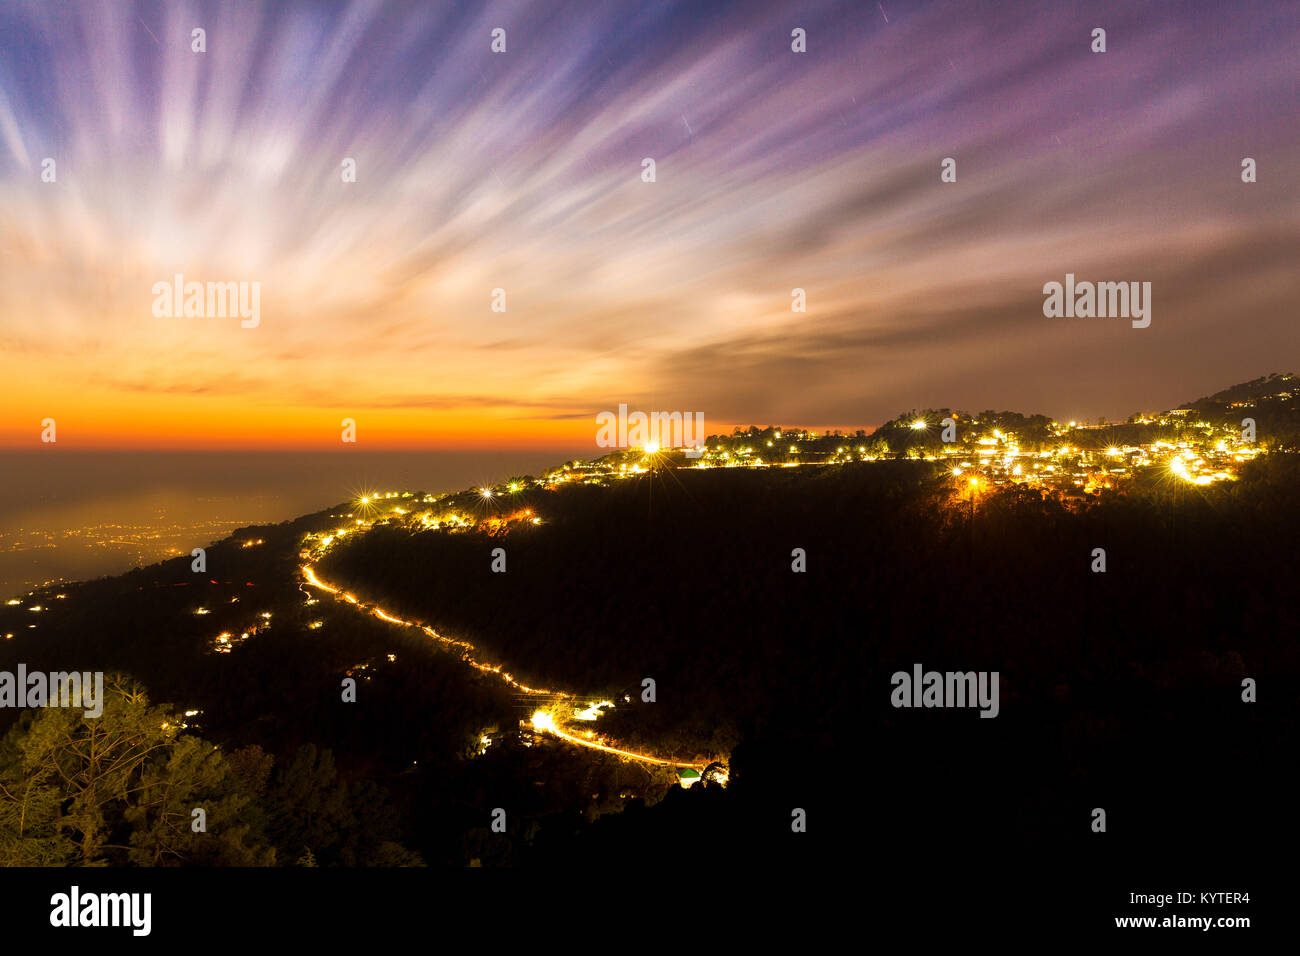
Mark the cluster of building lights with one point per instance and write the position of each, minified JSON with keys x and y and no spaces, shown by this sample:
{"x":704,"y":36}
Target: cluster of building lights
{"x":992,"y":459}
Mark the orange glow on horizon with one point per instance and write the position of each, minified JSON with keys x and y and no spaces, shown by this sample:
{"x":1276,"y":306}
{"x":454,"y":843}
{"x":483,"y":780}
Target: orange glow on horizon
{"x":139,"y":423}
{"x":92,"y":417}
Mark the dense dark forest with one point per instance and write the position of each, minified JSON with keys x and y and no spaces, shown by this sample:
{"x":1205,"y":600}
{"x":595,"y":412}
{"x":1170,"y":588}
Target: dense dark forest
{"x":1119,"y":690}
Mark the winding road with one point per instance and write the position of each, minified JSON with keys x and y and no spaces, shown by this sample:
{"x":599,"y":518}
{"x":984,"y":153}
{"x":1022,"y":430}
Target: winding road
{"x":544,"y":720}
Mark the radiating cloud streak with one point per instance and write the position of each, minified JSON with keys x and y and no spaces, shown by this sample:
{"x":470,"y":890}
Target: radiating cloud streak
{"x":522,"y":171}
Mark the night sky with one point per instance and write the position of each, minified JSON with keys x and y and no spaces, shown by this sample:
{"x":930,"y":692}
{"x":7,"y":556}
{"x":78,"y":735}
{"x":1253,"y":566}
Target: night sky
{"x":522,"y":171}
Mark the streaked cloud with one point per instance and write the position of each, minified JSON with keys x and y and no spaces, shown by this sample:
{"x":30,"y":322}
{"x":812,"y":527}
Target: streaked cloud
{"x":522,"y":171}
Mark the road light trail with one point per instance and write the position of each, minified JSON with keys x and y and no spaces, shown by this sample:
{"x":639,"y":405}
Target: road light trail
{"x":467,"y":648}
{"x":315,"y":581}
{"x":546,"y":725}
{"x":545,"y":722}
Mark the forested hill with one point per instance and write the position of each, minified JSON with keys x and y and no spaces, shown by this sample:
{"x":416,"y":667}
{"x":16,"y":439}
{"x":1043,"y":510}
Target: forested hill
{"x":1277,"y":386}
{"x":770,"y":607}
{"x":686,"y":577}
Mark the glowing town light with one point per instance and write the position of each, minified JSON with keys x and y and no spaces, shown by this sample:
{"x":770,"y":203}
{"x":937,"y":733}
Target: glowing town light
{"x":956,"y":472}
{"x":919,"y":425}
{"x":543,"y":721}
{"x":651,"y":447}
{"x":486,"y":492}
{"x":592,"y":710}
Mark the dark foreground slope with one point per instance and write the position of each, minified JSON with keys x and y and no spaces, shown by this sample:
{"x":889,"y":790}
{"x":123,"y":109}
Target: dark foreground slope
{"x":1119,"y":690}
